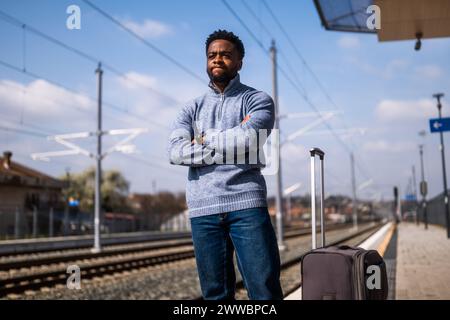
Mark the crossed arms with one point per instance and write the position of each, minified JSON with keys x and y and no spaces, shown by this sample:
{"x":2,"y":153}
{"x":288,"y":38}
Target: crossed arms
{"x":188,"y":149}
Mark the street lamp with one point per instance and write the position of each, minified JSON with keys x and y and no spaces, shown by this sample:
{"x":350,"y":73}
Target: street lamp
{"x":438,"y":96}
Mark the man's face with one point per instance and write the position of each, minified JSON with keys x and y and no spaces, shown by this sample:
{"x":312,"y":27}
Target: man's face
{"x":223,"y":61}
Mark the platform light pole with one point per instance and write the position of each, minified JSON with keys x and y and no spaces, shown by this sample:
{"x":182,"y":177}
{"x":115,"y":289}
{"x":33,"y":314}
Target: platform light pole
{"x":423,"y":187}
{"x":414,"y":191}
{"x":438,"y":96}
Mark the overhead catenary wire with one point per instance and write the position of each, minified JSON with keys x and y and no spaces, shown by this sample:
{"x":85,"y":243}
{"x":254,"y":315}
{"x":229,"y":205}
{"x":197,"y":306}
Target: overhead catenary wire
{"x":23,"y":131}
{"x":22,"y":123}
{"x":35,"y":76}
{"x":284,"y":73}
{"x":286,"y":60}
{"x":302,"y":92}
{"x":55,"y":83}
{"x":322,"y":88}
{"x":281,"y":52}
{"x":145,"y":42}
{"x":308,"y":68}
{"x":162,"y":53}
{"x":26,"y":27}
{"x":14,"y":21}
{"x":297,"y":51}
{"x":43,"y":134}
{"x":58,"y":84}
{"x":46,"y":98}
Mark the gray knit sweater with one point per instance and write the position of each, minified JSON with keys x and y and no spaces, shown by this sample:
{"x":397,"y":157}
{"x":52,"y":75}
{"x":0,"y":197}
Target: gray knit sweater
{"x":225,"y":171}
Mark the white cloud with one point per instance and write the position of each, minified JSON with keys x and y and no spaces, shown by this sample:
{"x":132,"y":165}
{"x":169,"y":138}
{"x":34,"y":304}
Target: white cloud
{"x":388,"y":146}
{"x":398,"y":67}
{"x":391,"y":69}
{"x":42,"y":100}
{"x":429,"y":72}
{"x":348,"y":42}
{"x":404,"y":110}
{"x":148,"y":89}
{"x":134,"y":80}
{"x":394,"y":67}
{"x":293,"y":152}
{"x":149,"y":29}
{"x":140,"y":92}
{"x":152,"y":109}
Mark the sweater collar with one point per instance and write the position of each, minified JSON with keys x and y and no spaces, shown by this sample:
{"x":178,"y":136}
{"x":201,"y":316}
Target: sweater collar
{"x":233,"y":84}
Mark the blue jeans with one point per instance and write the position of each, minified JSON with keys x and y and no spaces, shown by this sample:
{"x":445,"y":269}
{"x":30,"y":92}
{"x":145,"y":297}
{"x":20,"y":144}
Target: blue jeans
{"x":250,"y":233}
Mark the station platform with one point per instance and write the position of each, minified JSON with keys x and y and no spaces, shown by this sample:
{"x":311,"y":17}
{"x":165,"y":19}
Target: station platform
{"x":417,"y":261}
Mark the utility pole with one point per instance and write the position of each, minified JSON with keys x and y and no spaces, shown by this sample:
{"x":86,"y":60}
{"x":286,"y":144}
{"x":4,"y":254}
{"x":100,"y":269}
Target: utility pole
{"x":438,"y":96}
{"x":354,"y":205}
{"x":50,"y":223}
{"x":423,"y":189}
{"x":35,"y":221}
{"x":66,"y":206}
{"x":17,"y":224}
{"x":73,"y":149}
{"x":98,"y":171}
{"x":399,"y":205}
{"x":278,"y":199}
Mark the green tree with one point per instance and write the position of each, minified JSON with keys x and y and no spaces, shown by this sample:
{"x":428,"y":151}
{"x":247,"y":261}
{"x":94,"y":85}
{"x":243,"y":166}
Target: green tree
{"x":155,"y":209}
{"x":114,"y":190}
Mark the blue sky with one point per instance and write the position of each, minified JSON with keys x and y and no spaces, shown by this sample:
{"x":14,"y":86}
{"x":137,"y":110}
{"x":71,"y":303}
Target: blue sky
{"x":384,"y":88}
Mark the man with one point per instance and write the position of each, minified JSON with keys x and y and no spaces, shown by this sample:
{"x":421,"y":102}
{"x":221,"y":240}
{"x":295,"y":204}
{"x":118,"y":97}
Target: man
{"x":227,"y":197}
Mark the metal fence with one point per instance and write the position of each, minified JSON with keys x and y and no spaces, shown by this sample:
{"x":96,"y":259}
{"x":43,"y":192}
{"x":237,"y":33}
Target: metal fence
{"x":435,"y":211}
{"x":17,"y":223}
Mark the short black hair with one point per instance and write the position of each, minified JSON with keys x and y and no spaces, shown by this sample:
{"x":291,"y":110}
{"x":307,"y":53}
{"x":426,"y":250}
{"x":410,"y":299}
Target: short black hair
{"x":229,"y":36}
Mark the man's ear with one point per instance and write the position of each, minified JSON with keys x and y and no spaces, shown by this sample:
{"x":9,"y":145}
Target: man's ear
{"x":240,"y":65}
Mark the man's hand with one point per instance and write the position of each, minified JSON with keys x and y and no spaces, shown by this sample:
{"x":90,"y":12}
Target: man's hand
{"x":247,"y":117}
{"x":201,"y":139}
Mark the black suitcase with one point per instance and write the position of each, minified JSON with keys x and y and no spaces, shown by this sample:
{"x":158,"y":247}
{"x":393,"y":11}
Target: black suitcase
{"x":339,"y":272}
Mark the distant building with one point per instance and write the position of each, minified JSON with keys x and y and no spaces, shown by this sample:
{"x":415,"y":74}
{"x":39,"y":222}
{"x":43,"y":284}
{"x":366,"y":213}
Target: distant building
{"x":154,"y":210}
{"x":22,"y":190}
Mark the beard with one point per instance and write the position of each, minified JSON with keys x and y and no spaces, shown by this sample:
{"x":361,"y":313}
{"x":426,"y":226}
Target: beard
{"x":224,"y":77}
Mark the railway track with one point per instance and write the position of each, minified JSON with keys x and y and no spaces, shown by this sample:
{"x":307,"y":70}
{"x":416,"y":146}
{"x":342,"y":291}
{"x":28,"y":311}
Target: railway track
{"x":15,"y":249}
{"x":53,"y":270}
{"x":76,"y":243}
{"x":71,"y":255}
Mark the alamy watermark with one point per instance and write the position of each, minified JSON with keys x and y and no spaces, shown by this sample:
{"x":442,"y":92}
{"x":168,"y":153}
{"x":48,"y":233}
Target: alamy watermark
{"x":74,"y":280}
{"x":374,"y":21}
{"x":232,"y":146}
{"x":374,"y":280}
{"x":74,"y":19}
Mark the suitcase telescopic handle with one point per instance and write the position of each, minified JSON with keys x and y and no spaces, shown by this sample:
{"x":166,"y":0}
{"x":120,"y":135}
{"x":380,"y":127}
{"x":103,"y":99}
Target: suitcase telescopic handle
{"x":317,"y":151}
{"x":321,"y":154}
